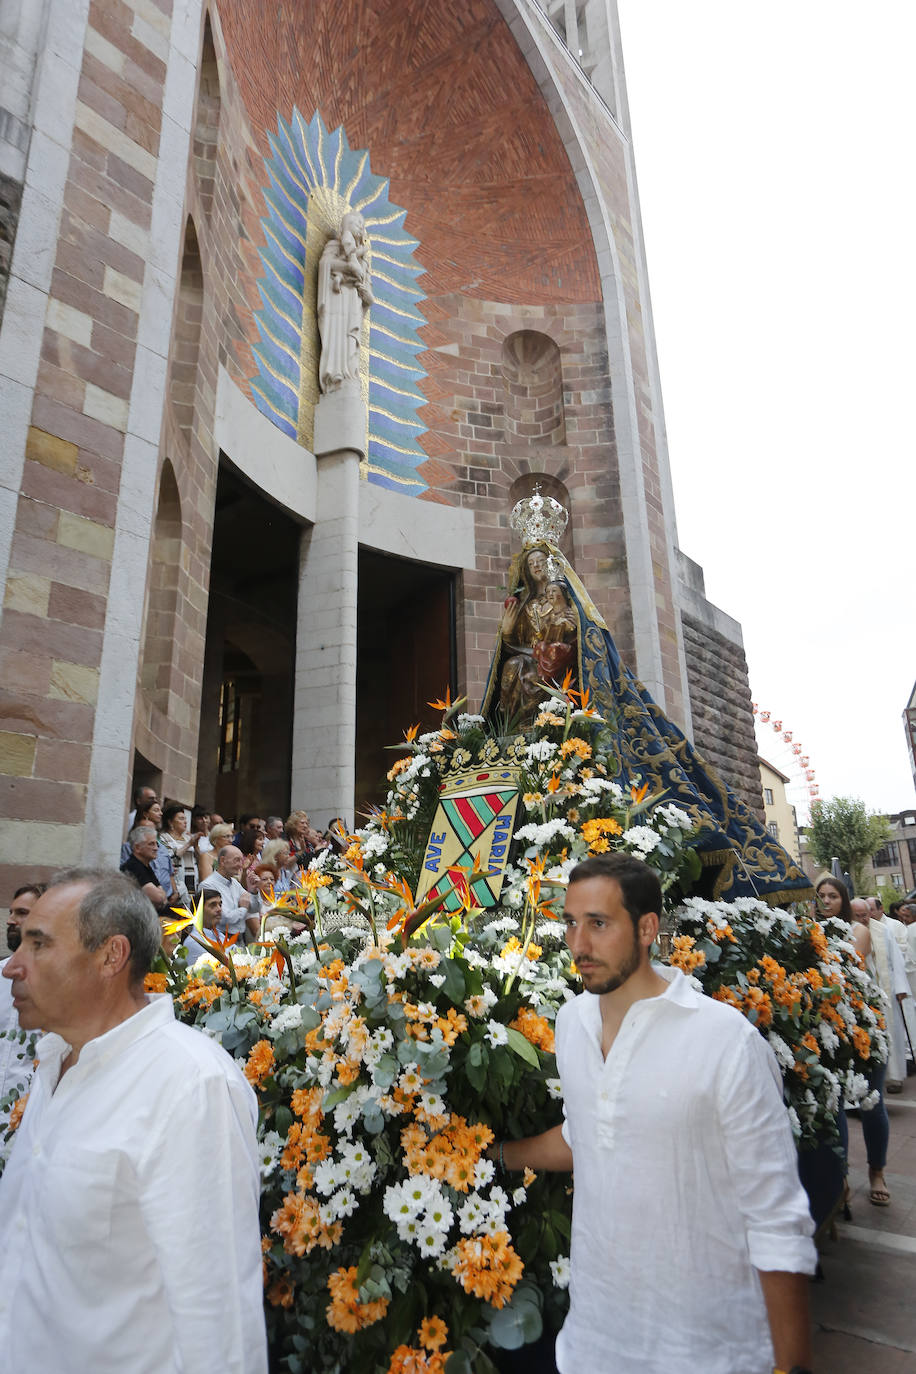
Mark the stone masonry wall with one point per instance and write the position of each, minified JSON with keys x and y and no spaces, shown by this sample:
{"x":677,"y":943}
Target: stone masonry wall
{"x":720,"y":700}
{"x":63,"y":543}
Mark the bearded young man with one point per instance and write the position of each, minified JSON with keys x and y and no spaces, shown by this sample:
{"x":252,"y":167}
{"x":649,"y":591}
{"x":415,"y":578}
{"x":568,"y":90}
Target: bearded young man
{"x":691,"y":1237}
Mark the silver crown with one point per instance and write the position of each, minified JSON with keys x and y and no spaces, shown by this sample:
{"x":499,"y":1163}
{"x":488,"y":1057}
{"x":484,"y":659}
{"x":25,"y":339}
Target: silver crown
{"x":537,"y":519}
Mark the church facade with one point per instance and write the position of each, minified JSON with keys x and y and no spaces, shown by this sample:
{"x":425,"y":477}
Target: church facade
{"x":220,"y":580}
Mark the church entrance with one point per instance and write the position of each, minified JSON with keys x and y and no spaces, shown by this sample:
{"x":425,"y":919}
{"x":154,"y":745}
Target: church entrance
{"x":247,"y":698}
{"x":406,"y":638}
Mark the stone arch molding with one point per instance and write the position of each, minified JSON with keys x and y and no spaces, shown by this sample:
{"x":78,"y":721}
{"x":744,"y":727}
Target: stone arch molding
{"x":162,"y":603}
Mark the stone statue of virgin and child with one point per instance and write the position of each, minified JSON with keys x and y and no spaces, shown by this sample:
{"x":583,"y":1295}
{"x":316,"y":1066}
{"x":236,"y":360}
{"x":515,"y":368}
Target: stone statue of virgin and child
{"x":551,"y":627}
{"x":344,"y":294}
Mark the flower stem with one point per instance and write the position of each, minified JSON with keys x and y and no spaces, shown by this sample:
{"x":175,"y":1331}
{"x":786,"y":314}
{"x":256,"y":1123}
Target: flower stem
{"x":284,"y":949}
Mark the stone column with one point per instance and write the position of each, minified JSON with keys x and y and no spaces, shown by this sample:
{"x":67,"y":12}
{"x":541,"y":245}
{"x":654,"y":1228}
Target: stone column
{"x":324,"y":713}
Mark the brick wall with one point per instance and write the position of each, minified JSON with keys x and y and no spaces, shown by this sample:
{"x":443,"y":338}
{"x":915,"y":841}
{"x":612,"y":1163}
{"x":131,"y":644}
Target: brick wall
{"x":480,"y":461}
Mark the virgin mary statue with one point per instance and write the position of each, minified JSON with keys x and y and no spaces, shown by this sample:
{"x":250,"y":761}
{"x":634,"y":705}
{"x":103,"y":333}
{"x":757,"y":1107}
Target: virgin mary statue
{"x":550,"y":626}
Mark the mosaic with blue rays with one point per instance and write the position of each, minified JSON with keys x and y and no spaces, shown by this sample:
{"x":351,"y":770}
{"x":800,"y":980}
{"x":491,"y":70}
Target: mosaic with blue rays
{"x":315,"y":178}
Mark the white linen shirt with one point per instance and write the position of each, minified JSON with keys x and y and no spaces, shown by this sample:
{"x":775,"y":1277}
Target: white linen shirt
{"x":686,"y":1182}
{"x":129,"y":1209}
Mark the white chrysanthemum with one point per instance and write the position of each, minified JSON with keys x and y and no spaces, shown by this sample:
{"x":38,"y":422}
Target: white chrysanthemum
{"x":598,"y":785}
{"x":496,"y":1033}
{"x":269,"y":1152}
{"x":430,"y":1240}
{"x":411,"y":1080}
{"x":327,"y":1177}
{"x":674,"y":815}
{"x":540,"y":751}
{"x":342,"y":1204}
{"x":347,"y":1113}
{"x":559,"y":1269}
{"x":498,"y":926}
{"x":396,"y":965}
{"x":472,"y":1213}
{"x":474,"y":958}
{"x":519,"y":1196}
{"x":439,"y":1215}
{"x":432,"y":1104}
{"x":554,"y":1087}
{"x":484,"y":1170}
{"x":287,"y":1018}
{"x":408,"y":1200}
{"x":539,"y":835}
{"x":375,"y":844}
{"x":641,"y":838}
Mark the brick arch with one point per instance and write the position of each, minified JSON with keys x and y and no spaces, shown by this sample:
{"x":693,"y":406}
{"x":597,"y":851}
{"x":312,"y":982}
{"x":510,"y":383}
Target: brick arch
{"x":450,"y":111}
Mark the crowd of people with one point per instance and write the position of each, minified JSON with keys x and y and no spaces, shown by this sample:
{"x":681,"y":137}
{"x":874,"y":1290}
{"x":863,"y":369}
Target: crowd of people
{"x":175,"y":853}
{"x":886,"y":942}
{"x":136,"y":1158}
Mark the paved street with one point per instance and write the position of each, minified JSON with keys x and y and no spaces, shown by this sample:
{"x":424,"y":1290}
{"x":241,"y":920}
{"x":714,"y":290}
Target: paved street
{"x":865,"y":1309}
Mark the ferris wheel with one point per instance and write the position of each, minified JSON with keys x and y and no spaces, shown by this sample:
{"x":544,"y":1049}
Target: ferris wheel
{"x":781,"y":747}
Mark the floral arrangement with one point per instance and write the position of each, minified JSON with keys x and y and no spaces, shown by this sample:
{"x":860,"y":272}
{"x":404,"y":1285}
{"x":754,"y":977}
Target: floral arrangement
{"x":804,"y":986}
{"x":19,"y":1072}
{"x":385,"y":1067}
{"x":390,"y":1047}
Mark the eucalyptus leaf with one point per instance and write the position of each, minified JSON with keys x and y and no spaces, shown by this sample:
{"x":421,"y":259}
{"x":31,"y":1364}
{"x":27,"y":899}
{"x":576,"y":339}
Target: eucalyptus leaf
{"x":515,"y":1325}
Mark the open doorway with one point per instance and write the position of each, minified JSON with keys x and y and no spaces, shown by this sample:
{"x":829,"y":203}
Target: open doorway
{"x":406,"y":658}
{"x":245,"y":750}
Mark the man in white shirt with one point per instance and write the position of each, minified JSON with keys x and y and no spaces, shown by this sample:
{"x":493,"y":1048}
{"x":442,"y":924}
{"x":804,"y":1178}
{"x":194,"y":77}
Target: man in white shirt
{"x":879,"y":917}
{"x":241,"y":906}
{"x":691,"y":1237}
{"x":102,"y":1268}
{"x":885,"y":963}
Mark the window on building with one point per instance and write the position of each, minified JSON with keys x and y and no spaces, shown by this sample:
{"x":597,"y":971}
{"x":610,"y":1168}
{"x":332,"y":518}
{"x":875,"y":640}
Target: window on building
{"x":230,"y":720}
{"x":886,"y":856}
{"x":768,"y":796}
{"x":911,"y":846}
{"x":773,"y":829}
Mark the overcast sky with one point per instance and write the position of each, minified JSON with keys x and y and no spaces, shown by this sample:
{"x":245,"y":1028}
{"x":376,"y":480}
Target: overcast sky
{"x":775,"y":153}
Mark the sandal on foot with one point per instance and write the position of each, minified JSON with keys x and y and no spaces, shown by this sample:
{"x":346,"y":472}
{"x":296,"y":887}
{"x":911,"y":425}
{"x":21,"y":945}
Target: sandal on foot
{"x":878,"y":1195}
